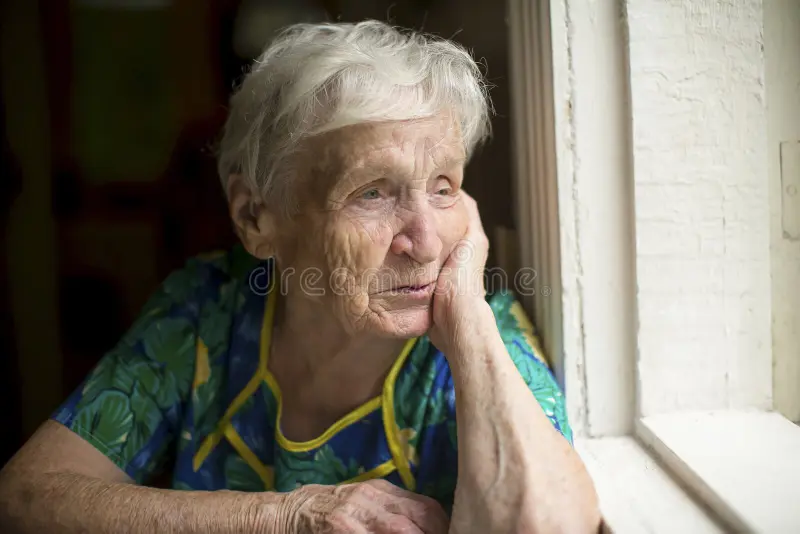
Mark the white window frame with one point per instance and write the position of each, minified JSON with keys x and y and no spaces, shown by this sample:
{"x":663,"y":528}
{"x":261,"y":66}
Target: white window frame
{"x":680,"y":471}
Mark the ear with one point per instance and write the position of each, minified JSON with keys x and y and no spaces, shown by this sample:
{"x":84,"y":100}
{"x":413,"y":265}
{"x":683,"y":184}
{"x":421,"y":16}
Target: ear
{"x":255,"y":225}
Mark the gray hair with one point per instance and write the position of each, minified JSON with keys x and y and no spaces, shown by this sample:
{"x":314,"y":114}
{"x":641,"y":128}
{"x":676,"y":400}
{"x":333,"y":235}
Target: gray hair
{"x":315,"y":78}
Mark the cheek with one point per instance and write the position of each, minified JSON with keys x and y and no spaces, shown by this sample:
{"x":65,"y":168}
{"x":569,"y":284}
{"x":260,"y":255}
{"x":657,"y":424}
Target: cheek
{"x":356,"y":244}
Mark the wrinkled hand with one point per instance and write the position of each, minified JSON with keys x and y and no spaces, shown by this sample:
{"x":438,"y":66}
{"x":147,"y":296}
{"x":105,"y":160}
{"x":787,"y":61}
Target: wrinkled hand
{"x":375,"y":506}
{"x":460,"y":286}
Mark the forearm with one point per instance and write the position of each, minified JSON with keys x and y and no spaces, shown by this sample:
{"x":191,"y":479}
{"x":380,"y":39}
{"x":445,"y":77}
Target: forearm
{"x":511,"y":458}
{"x":69,"y":503}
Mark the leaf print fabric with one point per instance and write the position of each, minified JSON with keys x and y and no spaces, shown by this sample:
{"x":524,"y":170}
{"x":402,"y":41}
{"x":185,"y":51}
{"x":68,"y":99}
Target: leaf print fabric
{"x":129,"y":406}
{"x":432,"y":385}
{"x":185,"y":387}
{"x":525,"y":350}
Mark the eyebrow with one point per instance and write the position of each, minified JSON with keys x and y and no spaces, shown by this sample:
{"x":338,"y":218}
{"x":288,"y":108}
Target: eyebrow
{"x":380,"y":163}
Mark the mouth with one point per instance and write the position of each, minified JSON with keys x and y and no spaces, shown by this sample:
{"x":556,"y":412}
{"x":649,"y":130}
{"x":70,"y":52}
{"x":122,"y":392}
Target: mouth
{"x":412,"y":290}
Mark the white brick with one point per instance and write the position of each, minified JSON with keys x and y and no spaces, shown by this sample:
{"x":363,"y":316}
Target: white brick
{"x":702,"y":204}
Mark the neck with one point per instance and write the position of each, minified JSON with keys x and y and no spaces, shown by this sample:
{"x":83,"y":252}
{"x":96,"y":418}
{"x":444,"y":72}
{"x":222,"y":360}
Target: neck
{"x":322,"y":367}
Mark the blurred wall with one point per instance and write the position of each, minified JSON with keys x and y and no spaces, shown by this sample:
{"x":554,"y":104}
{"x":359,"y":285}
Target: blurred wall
{"x":110,"y":111}
{"x":28,"y":228}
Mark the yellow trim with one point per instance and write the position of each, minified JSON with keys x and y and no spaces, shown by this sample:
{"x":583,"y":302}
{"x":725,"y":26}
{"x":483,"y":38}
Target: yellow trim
{"x":399,"y":459}
{"x":202,"y":370}
{"x":377,"y":472}
{"x":213,"y":439}
{"x":266,"y":474}
{"x":390,"y":422}
{"x":529,"y":333}
{"x":347,"y":420}
{"x":304,"y":446}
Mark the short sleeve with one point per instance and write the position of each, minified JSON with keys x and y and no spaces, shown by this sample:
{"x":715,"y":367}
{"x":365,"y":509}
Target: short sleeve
{"x":130,"y":406}
{"x":525,"y":351}
{"x":436,"y":443}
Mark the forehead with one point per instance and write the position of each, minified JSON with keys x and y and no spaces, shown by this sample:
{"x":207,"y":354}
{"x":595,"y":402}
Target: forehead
{"x":417,"y":146}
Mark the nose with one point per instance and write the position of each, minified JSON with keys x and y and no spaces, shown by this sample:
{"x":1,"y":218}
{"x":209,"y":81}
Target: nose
{"x":418,"y":238}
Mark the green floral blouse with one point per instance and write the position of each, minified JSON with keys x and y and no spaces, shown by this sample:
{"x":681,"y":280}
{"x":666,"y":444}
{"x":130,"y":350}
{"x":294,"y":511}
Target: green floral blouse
{"x":187,"y":388}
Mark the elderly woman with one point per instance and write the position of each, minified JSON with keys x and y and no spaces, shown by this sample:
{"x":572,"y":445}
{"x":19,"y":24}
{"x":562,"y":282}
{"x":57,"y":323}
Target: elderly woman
{"x":342,"y":370}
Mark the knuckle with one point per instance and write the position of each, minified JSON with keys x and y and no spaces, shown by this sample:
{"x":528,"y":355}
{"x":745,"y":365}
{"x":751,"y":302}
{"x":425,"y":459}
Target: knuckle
{"x":401,"y":524}
{"x":366,"y":491}
{"x":348,"y":493}
{"x":347,"y":508}
{"x":429,"y":503}
{"x":338,"y":522}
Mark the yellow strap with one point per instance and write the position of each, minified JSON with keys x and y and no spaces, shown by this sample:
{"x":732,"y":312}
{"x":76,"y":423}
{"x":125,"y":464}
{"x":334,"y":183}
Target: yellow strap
{"x":390,"y":422}
{"x":213,"y":439}
{"x":205,"y":449}
{"x":266,"y":474}
{"x":399,"y":460}
{"x":378,"y":472}
{"x":304,"y":446}
{"x":518,"y":312}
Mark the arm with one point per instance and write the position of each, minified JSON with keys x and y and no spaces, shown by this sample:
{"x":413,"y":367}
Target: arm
{"x":509,"y":451}
{"x":516,"y":472}
{"x":81,"y":472}
{"x":59,"y":481}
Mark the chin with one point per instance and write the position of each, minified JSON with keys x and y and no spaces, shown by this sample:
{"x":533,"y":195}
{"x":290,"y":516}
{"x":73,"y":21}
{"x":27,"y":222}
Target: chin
{"x":409,"y":322}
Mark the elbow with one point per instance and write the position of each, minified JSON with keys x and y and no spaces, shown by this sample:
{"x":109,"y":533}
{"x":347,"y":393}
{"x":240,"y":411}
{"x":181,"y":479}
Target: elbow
{"x":18,"y":490}
{"x":7,"y":504}
{"x":575,"y":512}
{"x":588,"y":517}
{"x":588,"y":520}
{"x":573,"y":521}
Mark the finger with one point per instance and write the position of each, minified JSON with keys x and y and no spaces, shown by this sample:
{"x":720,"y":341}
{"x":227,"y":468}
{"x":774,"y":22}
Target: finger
{"x":428,"y":518}
{"x":388,"y":523}
{"x":476,"y":225}
{"x":341,"y":524}
{"x":367,"y":512}
{"x":475,"y":236}
{"x":425,"y":512}
{"x":396,"y":491}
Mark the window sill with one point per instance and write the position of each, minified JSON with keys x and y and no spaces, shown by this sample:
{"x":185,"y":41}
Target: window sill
{"x":743,"y":464}
{"x":637,"y":494}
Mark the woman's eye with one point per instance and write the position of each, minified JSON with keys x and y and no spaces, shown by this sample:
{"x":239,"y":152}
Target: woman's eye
{"x":371,"y":194}
{"x":443,"y":191}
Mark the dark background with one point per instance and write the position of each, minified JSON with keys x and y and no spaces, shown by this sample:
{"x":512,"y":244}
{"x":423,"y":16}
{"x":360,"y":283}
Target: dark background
{"x":109,"y":111}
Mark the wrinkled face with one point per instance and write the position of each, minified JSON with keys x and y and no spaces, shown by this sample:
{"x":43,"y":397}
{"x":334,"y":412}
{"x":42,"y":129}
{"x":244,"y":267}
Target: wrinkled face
{"x":380,"y":213}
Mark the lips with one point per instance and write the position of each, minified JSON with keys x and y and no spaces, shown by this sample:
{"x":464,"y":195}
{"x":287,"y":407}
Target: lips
{"x":411,"y":289}
{"x":418,"y":288}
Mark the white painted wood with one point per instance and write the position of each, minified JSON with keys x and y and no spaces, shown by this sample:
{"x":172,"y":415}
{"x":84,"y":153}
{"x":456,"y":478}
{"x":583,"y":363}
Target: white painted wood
{"x":569,"y":298}
{"x":601,"y":187}
{"x":781,"y":52}
{"x":790,"y":189}
{"x":636,"y":494}
{"x":702,"y":204}
{"x":743,"y":463}
{"x":573,"y":174}
{"x":537,"y":166}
